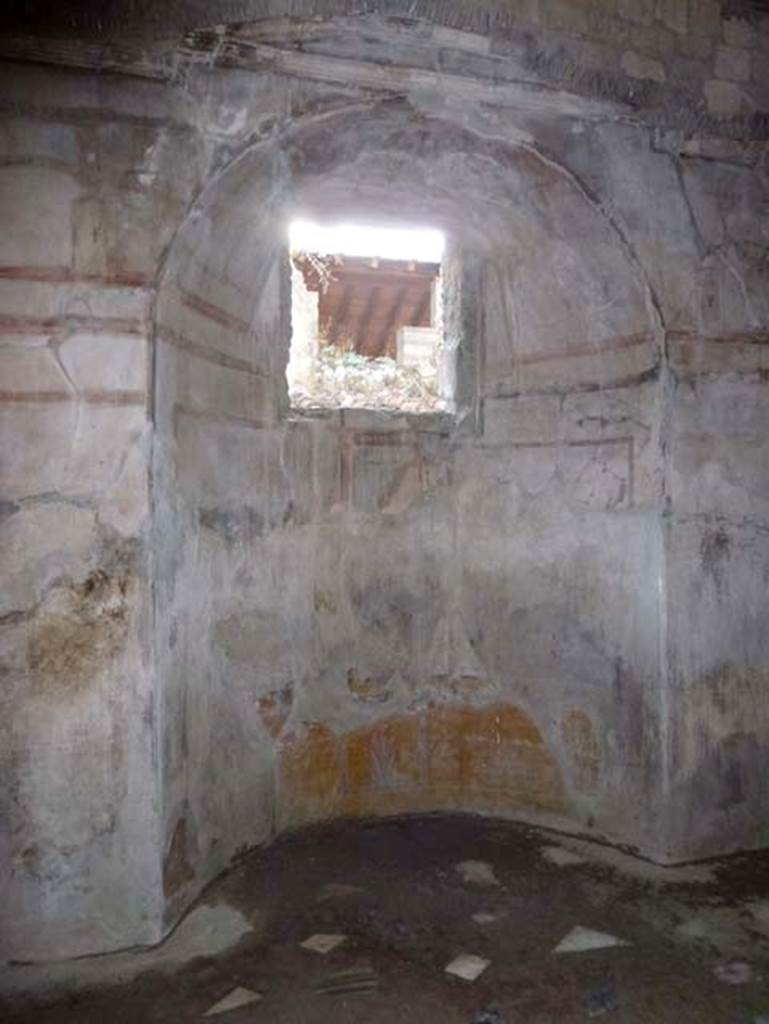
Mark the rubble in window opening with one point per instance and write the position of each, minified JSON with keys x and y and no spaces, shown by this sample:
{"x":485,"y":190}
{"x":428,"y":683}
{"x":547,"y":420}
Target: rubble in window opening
{"x":346,"y":380}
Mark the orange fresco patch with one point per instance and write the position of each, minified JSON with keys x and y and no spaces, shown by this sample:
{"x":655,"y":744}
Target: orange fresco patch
{"x":274,"y":709}
{"x":449,"y":756}
{"x":311,"y":771}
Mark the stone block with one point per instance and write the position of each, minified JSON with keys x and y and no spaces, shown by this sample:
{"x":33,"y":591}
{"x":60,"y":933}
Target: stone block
{"x":689,"y":74}
{"x":81,"y":299}
{"x":739,"y":32}
{"x":96,"y":451}
{"x":123,"y":235}
{"x":724,"y":99}
{"x":23,"y":138}
{"x":125,"y":503}
{"x":705,"y":18}
{"x":732,"y":64}
{"x":42,"y":434}
{"x":89,"y":237}
{"x":652,"y":40}
{"x":697,"y":47}
{"x":31,"y":369}
{"x":98,"y":362}
{"x":636,"y":66}
{"x":75,"y":449}
{"x":36,"y":214}
{"x":674,"y":14}
{"x":763,"y":33}
{"x":640,"y":11}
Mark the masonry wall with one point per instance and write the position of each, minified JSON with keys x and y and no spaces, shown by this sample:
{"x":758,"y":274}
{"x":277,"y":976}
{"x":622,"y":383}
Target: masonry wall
{"x":224,"y":619}
{"x":78,"y":830}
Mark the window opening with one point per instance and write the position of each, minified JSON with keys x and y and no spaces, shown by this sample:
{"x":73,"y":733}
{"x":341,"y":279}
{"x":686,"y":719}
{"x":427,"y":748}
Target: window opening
{"x":366,"y":314}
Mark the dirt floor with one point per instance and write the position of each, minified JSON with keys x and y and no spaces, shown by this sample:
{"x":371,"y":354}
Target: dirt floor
{"x":394,"y":890}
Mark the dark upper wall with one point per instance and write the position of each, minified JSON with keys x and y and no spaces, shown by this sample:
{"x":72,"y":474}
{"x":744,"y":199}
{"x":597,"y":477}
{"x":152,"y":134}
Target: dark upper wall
{"x":679,"y":64}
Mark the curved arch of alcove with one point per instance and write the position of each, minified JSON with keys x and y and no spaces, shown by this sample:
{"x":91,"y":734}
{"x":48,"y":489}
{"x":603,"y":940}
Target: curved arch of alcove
{"x":305,"y":605}
{"x":561,"y":277}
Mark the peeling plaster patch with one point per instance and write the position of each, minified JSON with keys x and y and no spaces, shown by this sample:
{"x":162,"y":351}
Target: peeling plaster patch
{"x":583,"y":749}
{"x":251,"y":637}
{"x":635,"y":867}
{"x":368,"y":689}
{"x":715,"y":547}
{"x":177,"y":869}
{"x":274,"y":709}
{"x":233,"y":525}
{"x":206,"y":931}
{"x":80,"y":629}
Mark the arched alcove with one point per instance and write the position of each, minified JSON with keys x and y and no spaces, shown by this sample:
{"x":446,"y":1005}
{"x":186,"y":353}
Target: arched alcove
{"x":325,"y":584}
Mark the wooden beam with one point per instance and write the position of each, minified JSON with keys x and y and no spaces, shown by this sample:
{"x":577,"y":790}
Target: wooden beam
{"x":338,"y":314}
{"x":365,"y":316}
{"x":421,"y":312}
{"x":389,"y":323}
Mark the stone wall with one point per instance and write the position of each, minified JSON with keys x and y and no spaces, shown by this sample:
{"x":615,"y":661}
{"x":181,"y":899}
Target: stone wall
{"x":224,"y":618}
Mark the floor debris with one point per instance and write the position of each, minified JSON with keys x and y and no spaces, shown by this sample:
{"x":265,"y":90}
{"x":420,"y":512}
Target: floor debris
{"x":337,"y":890}
{"x":233,"y":1001}
{"x":484,"y":917}
{"x":477,"y":872}
{"x":603,"y":1000}
{"x":734,"y":972}
{"x":582,"y":940}
{"x":467,"y":966}
{"x":358,"y":980}
{"x":562,"y":857}
{"x":321,"y":943}
{"x":407,"y":868}
{"x":488,"y":1017}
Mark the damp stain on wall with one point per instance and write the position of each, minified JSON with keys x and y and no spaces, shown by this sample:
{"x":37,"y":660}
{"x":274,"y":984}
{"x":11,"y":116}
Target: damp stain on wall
{"x":78,"y":632}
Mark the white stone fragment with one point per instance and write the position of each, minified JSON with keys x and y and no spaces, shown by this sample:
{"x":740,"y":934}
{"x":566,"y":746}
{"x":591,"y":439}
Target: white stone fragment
{"x":320,"y":943}
{"x":477,"y":872}
{"x":724,"y":99}
{"x":734,"y":972}
{"x":582,"y":940}
{"x":237,"y":998}
{"x":467,"y":966}
{"x":484,"y":917}
{"x":562,"y":857}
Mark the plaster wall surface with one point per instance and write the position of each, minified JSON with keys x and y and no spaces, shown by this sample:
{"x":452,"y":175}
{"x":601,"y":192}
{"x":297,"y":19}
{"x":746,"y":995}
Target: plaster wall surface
{"x":223,"y":618}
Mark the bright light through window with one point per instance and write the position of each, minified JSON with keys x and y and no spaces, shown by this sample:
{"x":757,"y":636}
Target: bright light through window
{"x":419,"y":244}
